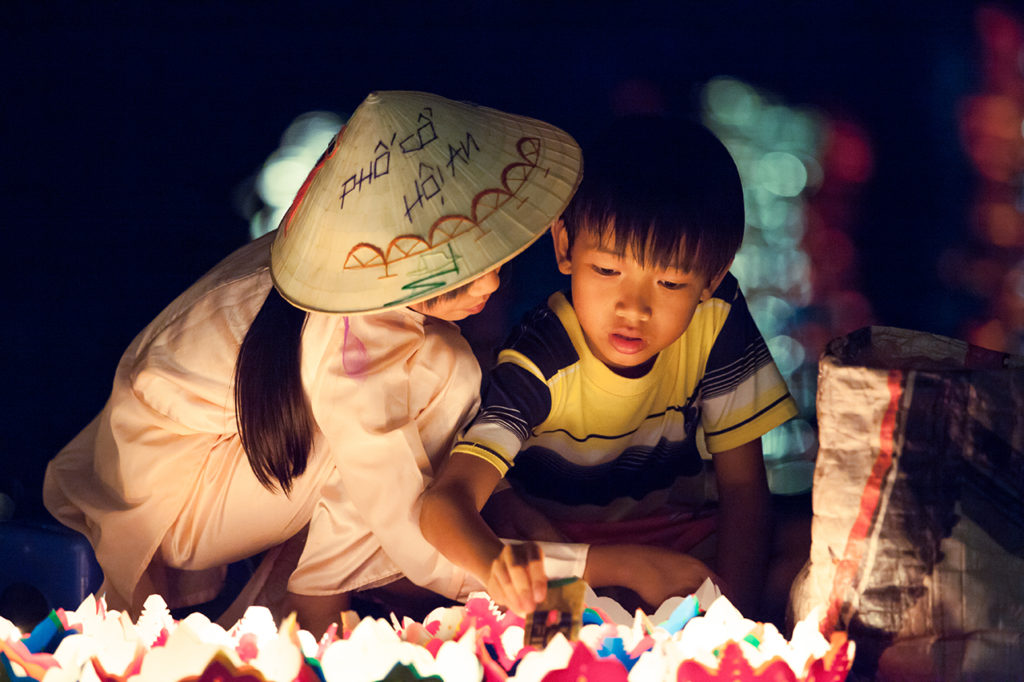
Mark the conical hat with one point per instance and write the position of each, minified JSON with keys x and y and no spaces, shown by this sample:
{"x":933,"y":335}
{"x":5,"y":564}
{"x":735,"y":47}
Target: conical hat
{"x":417,"y":195}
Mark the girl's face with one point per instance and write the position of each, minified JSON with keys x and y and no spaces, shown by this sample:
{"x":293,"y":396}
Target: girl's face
{"x":458,"y":304}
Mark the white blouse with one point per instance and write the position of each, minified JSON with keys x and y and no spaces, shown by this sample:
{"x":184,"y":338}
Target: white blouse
{"x":162,"y":468}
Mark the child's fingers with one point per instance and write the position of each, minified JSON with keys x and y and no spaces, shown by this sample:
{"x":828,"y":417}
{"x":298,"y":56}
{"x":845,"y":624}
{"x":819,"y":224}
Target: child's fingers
{"x":517,"y":577}
{"x":517,"y":563}
{"x":503,"y":586}
{"x":528,"y":570}
{"x":501,"y":589}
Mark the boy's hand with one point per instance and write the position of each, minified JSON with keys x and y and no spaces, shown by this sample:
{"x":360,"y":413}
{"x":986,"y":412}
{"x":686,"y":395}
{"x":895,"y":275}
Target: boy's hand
{"x":663,"y":574}
{"x":517,"y":578}
{"x":654,"y":573}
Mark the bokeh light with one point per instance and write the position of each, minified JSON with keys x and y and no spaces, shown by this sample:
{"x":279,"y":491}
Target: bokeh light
{"x":285,"y":168}
{"x":800,"y":172}
{"x":987,"y":266}
{"x":796,"y":434}
{"x":788,"y":353}
{"x":771,"y":313}
{"x":731,"y":102}
{"x":781,"y":173}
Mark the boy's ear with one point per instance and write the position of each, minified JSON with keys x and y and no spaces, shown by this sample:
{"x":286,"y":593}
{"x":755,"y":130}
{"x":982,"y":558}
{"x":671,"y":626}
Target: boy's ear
{"x":715,"y":281}
{"x":560,"y":237}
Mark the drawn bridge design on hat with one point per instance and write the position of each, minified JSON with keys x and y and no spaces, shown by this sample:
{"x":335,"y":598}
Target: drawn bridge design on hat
{"x":448,"y":227}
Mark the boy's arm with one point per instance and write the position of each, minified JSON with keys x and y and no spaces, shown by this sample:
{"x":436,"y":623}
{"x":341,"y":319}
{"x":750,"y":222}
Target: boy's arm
{"x":514,"y":574}
{"x":744,"y":531}
{"x":450,"y":520}
{"x":510,"y":516}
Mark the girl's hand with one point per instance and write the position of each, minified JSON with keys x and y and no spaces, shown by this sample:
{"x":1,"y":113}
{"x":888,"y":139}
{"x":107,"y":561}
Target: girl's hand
{"x":517,"y":579}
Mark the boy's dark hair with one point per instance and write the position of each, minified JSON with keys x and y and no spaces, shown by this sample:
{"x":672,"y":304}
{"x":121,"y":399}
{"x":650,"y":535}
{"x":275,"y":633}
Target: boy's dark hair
{"x":656,"y":185}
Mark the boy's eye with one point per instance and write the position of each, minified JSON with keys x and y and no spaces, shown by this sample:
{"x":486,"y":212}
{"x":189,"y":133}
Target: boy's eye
{"x":604,"y":272}
{"x":672,"y":286}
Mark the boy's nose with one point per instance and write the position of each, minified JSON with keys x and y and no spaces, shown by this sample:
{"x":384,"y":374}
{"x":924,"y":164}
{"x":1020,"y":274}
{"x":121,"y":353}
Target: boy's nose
{"x":633,"y":305}
{"x":485,"y":284}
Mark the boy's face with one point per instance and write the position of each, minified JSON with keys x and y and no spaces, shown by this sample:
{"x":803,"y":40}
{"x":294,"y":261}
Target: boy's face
{"x":458,"y":304}
{"x":628,"y":313}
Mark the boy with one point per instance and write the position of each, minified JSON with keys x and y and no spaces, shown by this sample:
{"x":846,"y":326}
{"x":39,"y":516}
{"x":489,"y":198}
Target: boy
{"x":592,"y":413}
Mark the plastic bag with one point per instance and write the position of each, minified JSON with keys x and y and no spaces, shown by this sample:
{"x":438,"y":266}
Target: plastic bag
{"x":917,"y":542}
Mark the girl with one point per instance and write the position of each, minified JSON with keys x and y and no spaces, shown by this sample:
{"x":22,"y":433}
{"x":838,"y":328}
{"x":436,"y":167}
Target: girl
{"x":256,"y":408}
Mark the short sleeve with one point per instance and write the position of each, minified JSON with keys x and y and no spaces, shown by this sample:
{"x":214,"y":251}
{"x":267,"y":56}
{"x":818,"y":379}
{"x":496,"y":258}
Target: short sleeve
{"x":743,"y":394}
{"x":515,"y":401}
{"x":518,"y":397}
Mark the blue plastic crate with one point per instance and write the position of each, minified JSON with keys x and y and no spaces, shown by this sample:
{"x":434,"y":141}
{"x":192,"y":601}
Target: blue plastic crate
{"x":55,"y":560}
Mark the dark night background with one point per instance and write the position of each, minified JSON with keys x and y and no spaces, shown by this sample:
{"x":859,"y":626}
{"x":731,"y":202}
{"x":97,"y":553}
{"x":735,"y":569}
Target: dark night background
{"x":128,"y":126}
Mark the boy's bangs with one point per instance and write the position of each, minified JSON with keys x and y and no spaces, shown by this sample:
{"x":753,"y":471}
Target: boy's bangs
{"x":654,"y":241}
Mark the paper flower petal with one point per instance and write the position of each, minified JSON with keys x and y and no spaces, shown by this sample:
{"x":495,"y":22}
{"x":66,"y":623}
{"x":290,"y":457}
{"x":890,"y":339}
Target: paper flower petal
{"x":584,"y":666}
{"x":222,"y":669}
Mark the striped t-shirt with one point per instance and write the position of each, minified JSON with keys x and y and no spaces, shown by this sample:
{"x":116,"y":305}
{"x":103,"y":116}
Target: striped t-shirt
{"x":584,"y":443}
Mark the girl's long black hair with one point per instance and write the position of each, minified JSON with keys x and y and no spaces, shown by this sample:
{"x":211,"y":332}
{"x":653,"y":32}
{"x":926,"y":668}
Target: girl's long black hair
{"x":274,"y":418}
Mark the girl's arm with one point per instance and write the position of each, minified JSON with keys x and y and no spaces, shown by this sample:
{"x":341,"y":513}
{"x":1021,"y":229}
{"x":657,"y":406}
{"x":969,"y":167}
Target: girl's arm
{"x":414,"y":388}
{"x":450,"y":520}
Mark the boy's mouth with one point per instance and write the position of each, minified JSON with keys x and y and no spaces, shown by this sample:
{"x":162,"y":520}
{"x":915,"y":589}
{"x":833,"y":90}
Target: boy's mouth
{"x":625,"y":344}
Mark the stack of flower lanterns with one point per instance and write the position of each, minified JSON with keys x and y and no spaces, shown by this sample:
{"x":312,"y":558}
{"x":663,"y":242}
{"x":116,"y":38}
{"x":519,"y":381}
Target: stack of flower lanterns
{"x":478,"y":641}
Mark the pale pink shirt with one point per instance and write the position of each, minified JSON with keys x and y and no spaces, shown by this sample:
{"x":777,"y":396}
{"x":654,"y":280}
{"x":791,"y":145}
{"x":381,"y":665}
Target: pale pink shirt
{"x":162,"y":469}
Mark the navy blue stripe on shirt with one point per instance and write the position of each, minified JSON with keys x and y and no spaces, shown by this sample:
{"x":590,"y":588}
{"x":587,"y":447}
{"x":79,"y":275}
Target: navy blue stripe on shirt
{"x":517,"y":398}
{"x":635,"y":473}
{"x":542,"y":338}
{"x":724,"y":379}
{"x":685,"y":410}
{"x":506,"y":417}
